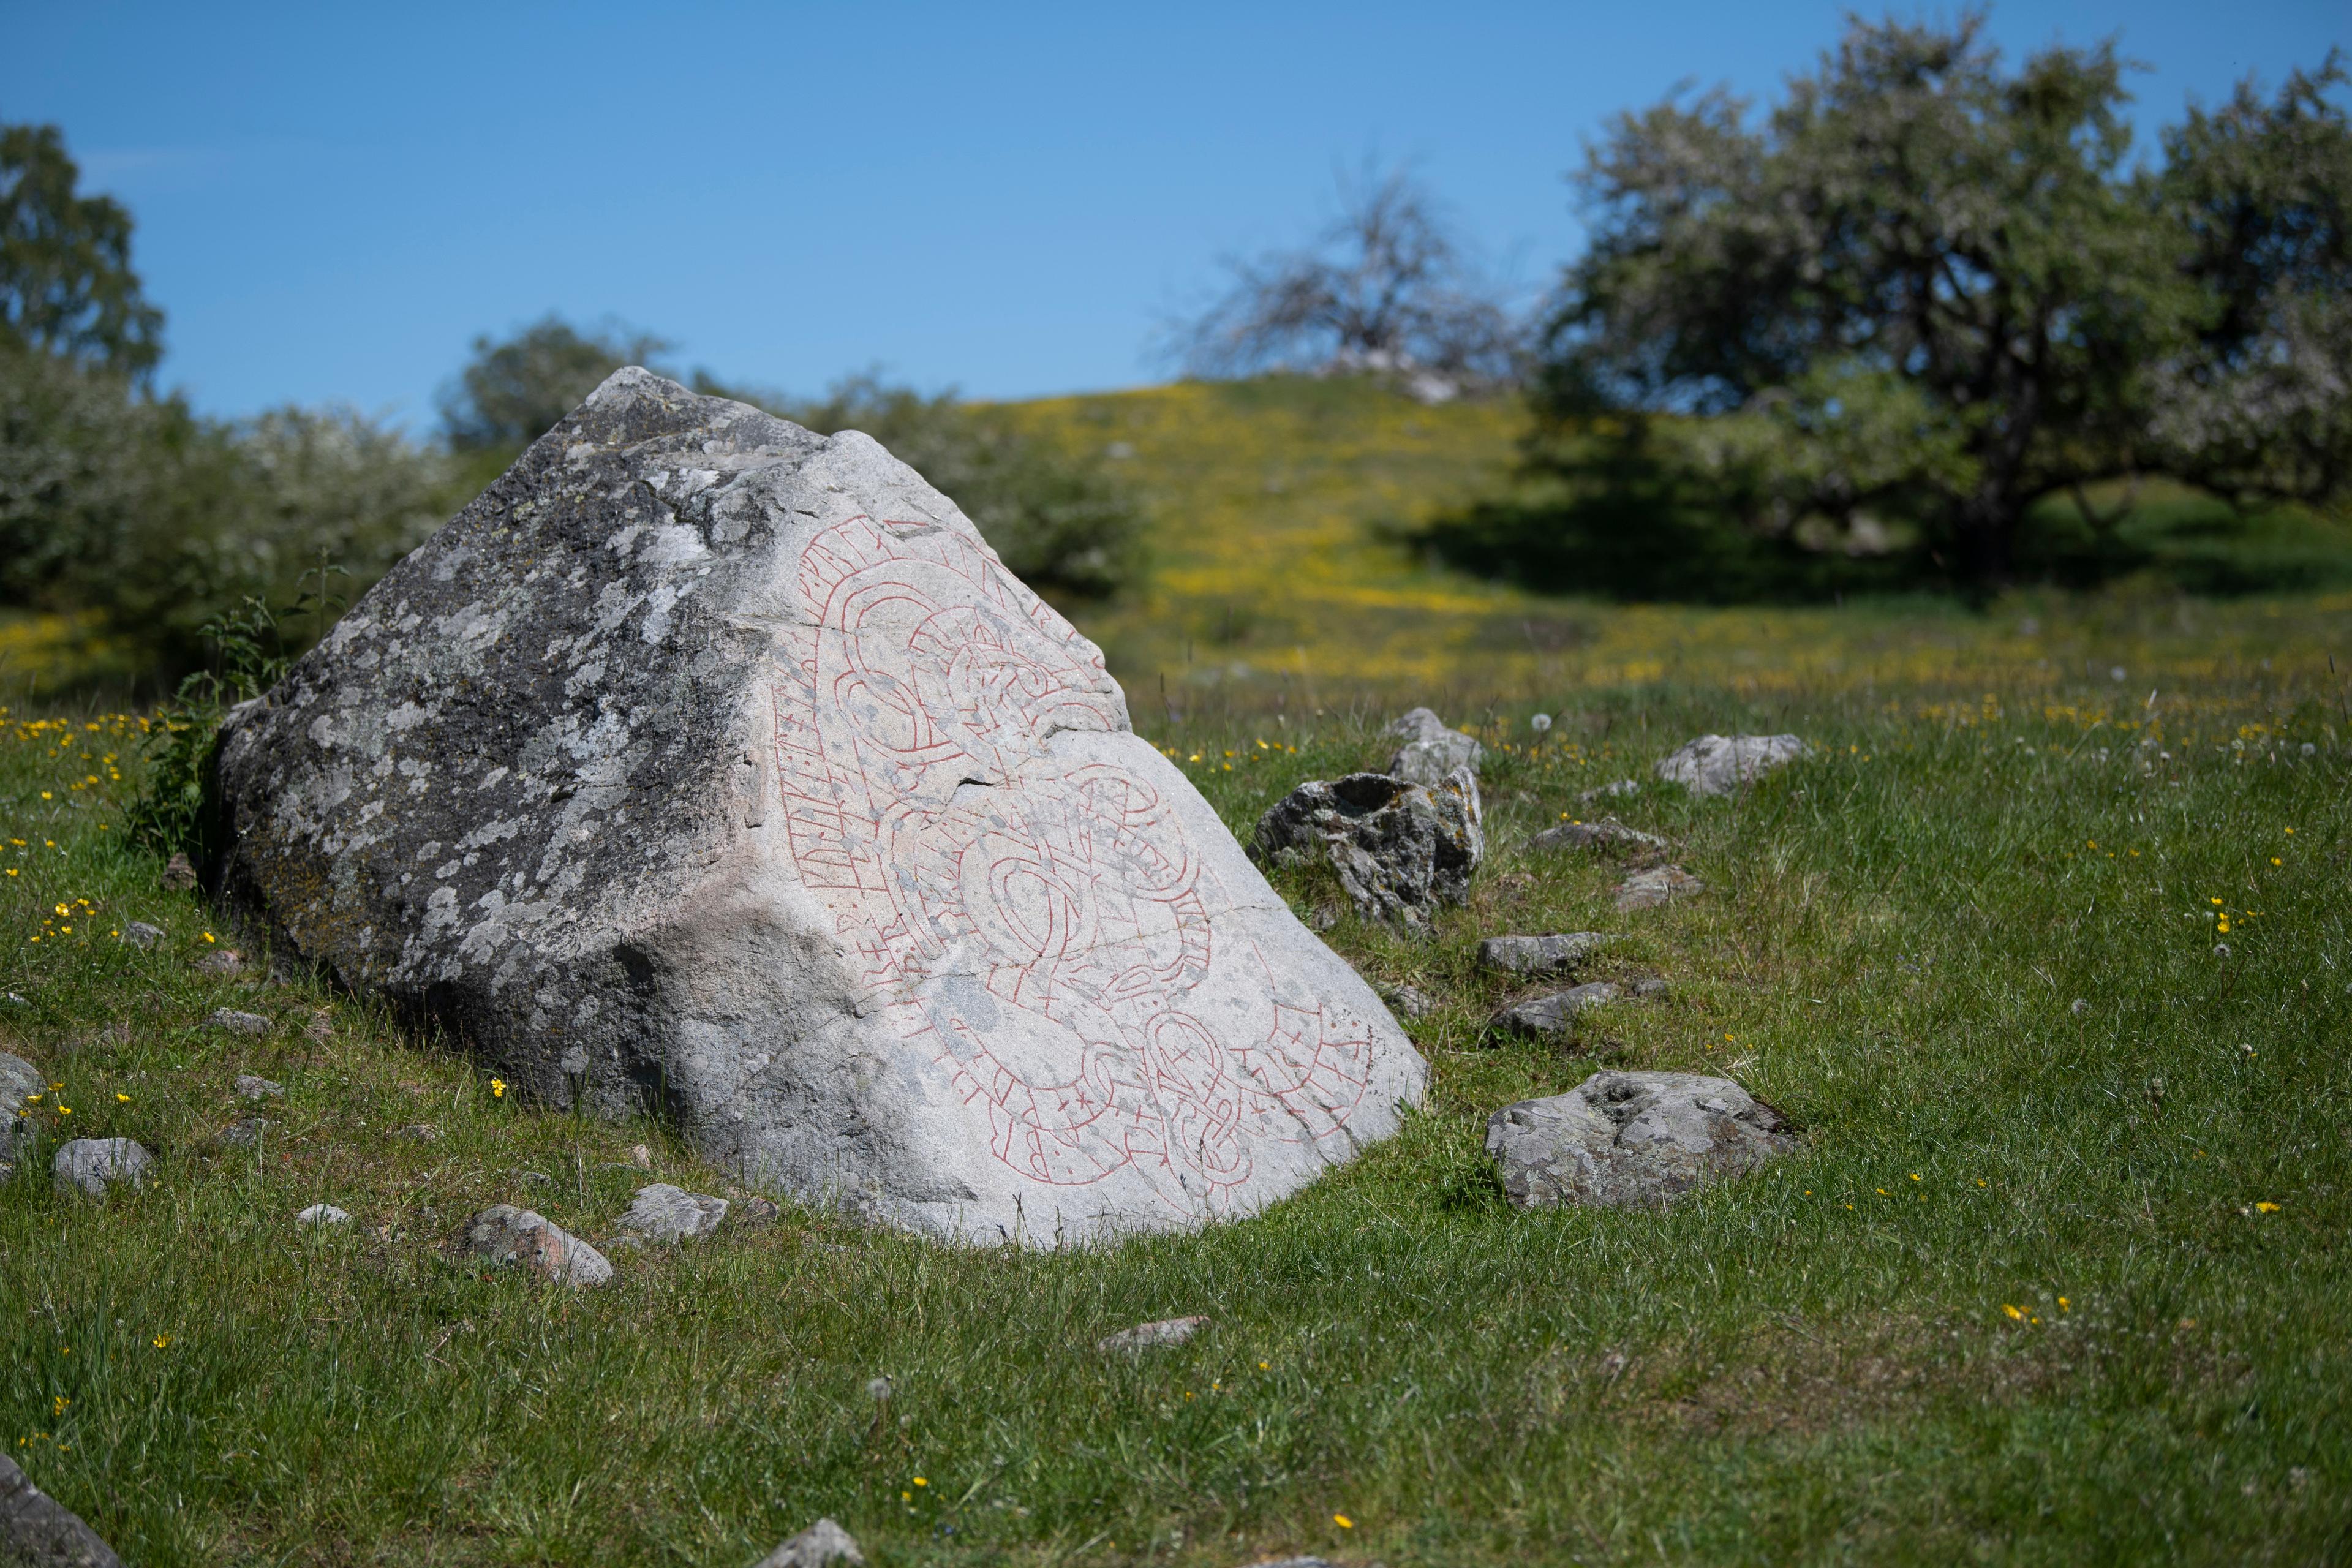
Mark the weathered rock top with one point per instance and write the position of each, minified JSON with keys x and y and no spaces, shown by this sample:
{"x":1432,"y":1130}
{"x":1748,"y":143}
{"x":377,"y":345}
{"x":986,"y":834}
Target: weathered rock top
{"x":1719,"y":764}
{"x":707,"y":765}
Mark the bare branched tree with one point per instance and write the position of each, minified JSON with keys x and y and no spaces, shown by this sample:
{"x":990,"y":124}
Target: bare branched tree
{"x":1383,"y":288}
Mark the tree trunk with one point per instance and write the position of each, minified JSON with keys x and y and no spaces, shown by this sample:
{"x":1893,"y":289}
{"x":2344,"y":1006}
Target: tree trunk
{"x":1985,"y":537}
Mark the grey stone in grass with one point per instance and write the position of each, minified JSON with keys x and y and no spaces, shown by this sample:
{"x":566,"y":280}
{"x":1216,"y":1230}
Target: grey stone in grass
{"x":511,"y":1238}
{"x":1718,"y":764}
{"x":221,"y":963}
{"x":19,"y":1080}
{"x":665,"y":1212}
{"x":1409,"y":1001}
{"x":1658,"y":885}
{"x":1400,"y":850}
{"x":821,"y":1544}
{"x":1555,"y":1015}
{"x":1151,"y":1336}
{"x":1431,"y":752}
{"x":1616,"y":789}
{"x":245,"y":1134}
{"x":1623,"y":1140}
{"x":756,"y":1212}
{"x":1554,"y":955}
{"x":92,"y":1165}
{"x":707,"y":766}
{"x":140,"y":934}
{"x":38,"y":1531}
{"x":1606,"y":834}
{"x":323,"y":1214}
{"x":249,"y":1086}
{"x":229,"y":1018}
{"x":418,"y":1132}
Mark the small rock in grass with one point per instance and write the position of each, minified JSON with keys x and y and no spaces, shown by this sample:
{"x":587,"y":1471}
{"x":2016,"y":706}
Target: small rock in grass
{"x":1718,"y":764}
{"x":38,"y":1531}
{"x":18,"y":1078}
{"x":1151,"y":1336}
{"x":91,"y":1165}
{"x":1409,"y":1001}
{"x":756,"y":1212}
{"x":1612,"y":791}
{"x":178,"y":876}
{"x":515,"y":1237}
{"x":241,"y":1023}
{"x":1555,"y":1015}
{"x":245,"y":1134}
{"x":323,"y":1214}
{"x":1400,"y":850}
{"x":1431,"y":752}
{"x":819,"y":1545}
{"x":1658,"y":885}
{"x":140,"y":934}
{"x":665,"y":1212}
{"x":1623,"y":1140}
{"x":419,"y":1132}
{"x":1551,"y":954}
{"x":249,"y":1087}
{"x":1606,"y":834}
{"x":221,"y":963}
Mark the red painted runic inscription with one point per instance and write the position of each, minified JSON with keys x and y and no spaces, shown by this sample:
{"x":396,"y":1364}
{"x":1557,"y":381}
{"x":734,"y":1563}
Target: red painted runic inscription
{"x":1034,"y":919}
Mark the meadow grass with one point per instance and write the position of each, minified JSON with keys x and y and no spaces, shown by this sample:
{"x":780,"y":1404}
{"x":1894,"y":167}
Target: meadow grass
{"x":2059,"y":1274}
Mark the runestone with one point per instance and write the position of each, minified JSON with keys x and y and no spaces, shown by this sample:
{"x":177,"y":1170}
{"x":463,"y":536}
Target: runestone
{"x":710,"y":767}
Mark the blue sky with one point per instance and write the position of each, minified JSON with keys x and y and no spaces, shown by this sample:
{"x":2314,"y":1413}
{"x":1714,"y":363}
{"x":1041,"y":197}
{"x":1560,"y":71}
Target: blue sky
{"x":333,"y":200}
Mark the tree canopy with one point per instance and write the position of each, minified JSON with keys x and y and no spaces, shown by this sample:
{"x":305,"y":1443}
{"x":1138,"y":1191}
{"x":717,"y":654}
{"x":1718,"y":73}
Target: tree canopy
{"x":66,"y":284}
{"x":514,"y":391}
{"x":1384,"y":288}
{"x":1926,"y":289}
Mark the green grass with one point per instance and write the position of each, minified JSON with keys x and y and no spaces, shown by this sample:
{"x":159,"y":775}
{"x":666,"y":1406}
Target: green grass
{"x":1814,"y":1365}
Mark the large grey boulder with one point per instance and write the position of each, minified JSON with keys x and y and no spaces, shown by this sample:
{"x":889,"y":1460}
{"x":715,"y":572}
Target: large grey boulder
{"x":1431,"y":752}
{"x":1402,"y":850}
{"x":37,"y":1530}
{"x":91,"y":1166}
{"x":1624,"y":1139}
{"x":1718,"y":764}
{"x":710,"y":766}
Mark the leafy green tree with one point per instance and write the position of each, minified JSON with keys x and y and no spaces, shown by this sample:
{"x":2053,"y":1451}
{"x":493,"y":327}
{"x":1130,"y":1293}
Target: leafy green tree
{"x":66,"y":284}
{"x":513,"y":392}
{"x":1927,"y":292}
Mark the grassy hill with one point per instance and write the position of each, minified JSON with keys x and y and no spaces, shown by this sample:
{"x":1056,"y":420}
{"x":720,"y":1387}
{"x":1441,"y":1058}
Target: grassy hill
{"x":1278,"y":583}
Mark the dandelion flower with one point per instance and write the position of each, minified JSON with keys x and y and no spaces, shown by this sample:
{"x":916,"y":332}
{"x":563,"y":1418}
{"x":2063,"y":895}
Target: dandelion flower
{"x":162,"y":1341}
{"x":2015,"y":1315}
{"x":1343,"y":1522}
{"x":2266,"y":1208}
{"x":497,"y":1089}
